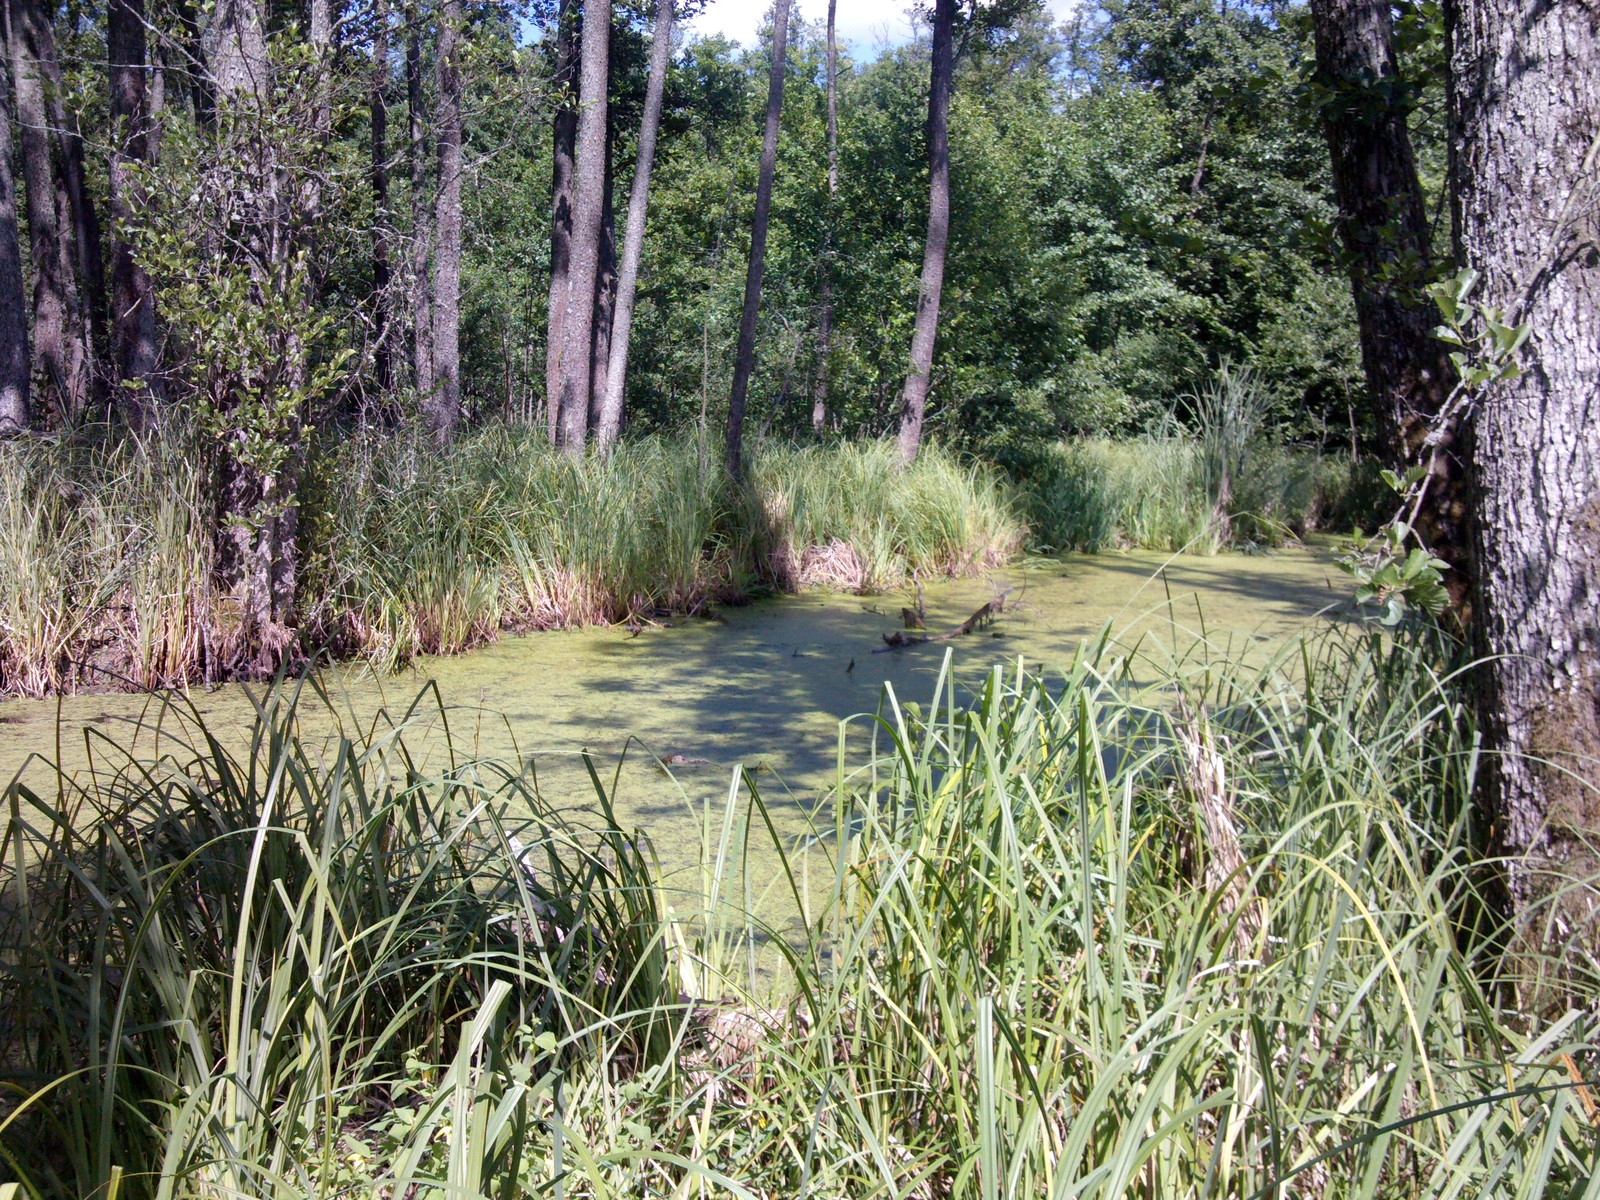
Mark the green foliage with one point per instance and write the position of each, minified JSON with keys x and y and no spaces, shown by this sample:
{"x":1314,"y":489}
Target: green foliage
{"x":1158,"y":928}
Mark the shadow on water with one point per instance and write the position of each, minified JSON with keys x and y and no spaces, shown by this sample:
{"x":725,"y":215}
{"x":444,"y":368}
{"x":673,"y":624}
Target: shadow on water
{"x":764,"y":686}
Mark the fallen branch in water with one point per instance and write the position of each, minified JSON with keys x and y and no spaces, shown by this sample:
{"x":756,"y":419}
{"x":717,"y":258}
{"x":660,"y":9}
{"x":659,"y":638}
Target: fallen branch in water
{"x":899,"y":639}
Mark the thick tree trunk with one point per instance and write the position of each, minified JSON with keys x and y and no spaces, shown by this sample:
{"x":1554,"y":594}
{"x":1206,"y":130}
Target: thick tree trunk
{"x":444,"y":404}
{"x":14,"y":374}
{"x":238,"y":48}
{"x":60,"y":339}
{"x":382,"y":220}
{"x":587,"y":205}
{"x":819,"y":399}
{"x":605,"y":298}
{"x":611,"y":407}
{"x":1384,"y":228}
{"x":1525,"y":86}
{"x":744,"y":362}
{"x":133,"y":329}
{"x":421,"y":224}
{"x":926,"y":331}
{"x":563,"y":153}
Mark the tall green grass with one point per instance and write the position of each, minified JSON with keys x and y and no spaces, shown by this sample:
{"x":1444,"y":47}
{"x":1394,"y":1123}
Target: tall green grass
{"x":1138,"y":929}
{"x":1165,"y":492}
{"x":107,"y":554}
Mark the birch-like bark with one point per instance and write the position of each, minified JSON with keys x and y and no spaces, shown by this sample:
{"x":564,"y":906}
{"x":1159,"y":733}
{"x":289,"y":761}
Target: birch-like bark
{"x":443,"y":405}
{"x":612,"y":404}
{"x":421,"y":225}
{"x":819,"y":400}
{"x":925,"y":333}
{"x":744,"y":362}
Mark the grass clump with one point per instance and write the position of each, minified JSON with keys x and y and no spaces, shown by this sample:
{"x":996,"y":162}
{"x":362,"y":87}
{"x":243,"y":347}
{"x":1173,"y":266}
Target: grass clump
{"x":1180,"y":931}
{"x":107,"y":562}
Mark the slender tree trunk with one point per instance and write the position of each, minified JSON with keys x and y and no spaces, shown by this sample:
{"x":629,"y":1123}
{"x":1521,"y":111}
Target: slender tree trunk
{"x":819,"y":400}
{"x":60,"y":344}
{"x":926,"y":331}
{"x":588,"y":202}
{"x":1384,"y":228}
{"x":14,"y":376}
{"x":611,"y":408}
{"x":1525,"y":92}
{"x":744,"y":362}
{"x":444,"y":407}
{"x":421,"y":224}
{"x":564,"y":150}
{"x":605,"y":298}
{"x":133,"y":329}
{"x":382,"y":221}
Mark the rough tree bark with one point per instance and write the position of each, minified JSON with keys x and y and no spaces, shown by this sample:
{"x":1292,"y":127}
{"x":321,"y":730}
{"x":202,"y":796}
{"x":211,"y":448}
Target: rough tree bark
{"x":443,"y":405}
{"x":1525,"y":115}
{"x":914,"y":404}
{"x":382,"y":220}
{"x":564,"y":149}
{"x":13,"y":305}
{"x":587,"y":204}
{"x":421,"y":231}
{"x":133,"y":326}
{"x":611,"y":407}
{"x":1383,"y":226}
{"x":819,"y":400}
{"x":744,"y":362}
{"x":60,"y":338}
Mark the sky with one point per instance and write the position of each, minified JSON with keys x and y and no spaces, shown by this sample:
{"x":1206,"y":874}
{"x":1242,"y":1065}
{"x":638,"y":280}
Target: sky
{"x":865,"y":23}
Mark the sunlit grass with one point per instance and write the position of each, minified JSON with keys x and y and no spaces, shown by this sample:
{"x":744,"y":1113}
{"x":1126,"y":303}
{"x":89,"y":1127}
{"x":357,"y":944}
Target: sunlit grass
{"x":1172,"y":929}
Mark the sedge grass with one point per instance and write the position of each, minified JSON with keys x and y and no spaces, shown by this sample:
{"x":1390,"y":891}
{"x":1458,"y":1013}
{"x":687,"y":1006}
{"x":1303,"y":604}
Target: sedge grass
{"x":1182,"y":929}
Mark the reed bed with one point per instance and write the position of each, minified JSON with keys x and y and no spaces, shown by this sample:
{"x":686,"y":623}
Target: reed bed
{"x":1179,"y":492}
{"x":1139,"y":929}
{"x":107,"y":554}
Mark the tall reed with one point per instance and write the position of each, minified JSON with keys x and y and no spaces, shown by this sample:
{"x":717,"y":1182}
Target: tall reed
{"x":1178,"y":930}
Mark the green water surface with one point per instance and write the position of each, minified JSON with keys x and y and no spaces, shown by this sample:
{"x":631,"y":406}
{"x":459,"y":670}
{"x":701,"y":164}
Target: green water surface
{"x":764,"y":686}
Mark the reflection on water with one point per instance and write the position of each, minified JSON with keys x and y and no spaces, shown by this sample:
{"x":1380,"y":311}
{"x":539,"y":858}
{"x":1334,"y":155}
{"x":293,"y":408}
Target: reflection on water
{"x":765,"y":686}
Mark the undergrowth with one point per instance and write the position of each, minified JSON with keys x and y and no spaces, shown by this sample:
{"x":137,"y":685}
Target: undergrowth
{"x":1138,"y":929}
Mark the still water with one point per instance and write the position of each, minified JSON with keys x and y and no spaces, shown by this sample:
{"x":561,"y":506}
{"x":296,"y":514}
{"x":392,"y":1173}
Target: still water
{"x":765,"y":686}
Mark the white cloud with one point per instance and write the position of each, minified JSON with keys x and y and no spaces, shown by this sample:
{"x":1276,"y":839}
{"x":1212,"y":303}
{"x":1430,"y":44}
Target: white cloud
{"x":863,"y":23}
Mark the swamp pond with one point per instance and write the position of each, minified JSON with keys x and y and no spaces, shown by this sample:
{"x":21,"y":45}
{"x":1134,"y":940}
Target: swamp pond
{"x":764,"y":685}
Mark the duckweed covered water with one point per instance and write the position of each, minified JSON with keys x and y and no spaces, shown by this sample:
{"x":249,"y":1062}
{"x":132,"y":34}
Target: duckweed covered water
{"x":764,"y":686}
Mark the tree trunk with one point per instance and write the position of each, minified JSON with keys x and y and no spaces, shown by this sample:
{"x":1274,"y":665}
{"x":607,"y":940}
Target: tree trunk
{"x":421,"y":225}
{"x":1384,"y":228}
{"x":79,"y":211}
{"x":382,"y":222}
{"x":611,"y":407}
{"x":14,"y":376}
{"x":444,"y":404}
{"x":926,"y":331}
{"x":605,"y":298}
{"x":588,"y":202}
{"x":564,"y":149}
{"x":1525,"y":110}
{"x":60,"y":340}
{"x":744,"y":363}
{"x":133,"y":330}
{"x":238,"y":49}
{"x":819,"y":400}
